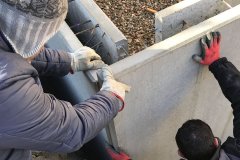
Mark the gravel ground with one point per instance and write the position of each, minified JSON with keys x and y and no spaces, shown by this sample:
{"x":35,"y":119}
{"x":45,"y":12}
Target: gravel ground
{"x":47,"y":156}
{"x":131,"y":17}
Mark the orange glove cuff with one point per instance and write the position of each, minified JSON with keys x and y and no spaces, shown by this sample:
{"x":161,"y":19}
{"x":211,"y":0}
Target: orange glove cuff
{"x":121,"y":99}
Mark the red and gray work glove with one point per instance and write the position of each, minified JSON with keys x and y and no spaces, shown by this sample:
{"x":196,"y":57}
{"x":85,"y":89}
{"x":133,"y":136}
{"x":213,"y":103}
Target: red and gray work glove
{"x":210,"y":45}
{"x":85,"y":59}
{"x":110,"y":84}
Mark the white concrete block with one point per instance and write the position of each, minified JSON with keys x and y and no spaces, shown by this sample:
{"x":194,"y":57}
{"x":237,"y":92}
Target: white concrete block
{"x":185,"y":14}
{"x":168,"y":88}
{"x":114,"y":42}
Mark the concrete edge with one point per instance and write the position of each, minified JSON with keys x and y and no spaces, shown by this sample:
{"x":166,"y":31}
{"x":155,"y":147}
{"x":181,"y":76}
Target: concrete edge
{"x":114,"y":42}
{"x":165,"y":47}
{"x":169,"y":24}
{"x":103,"y":20}
{"x":158,"y":23}
{"x":177,"y":7}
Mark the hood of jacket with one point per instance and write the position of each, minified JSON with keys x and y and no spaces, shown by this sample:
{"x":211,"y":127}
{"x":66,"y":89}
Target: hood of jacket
{"x":28,"y":25}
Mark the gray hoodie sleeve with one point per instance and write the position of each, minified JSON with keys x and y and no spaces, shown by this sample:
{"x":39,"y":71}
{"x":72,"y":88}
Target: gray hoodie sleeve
{"x":51,"y":62}
{"x":32,"y":119}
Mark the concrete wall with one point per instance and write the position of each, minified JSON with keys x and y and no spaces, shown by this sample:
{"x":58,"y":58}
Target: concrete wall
{"x":115,"y":45}
{"x":168,"y":88}
{"x":185,"y":14}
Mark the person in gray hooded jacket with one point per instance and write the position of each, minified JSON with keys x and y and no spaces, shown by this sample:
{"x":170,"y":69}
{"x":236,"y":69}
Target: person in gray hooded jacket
{"x":29,"y":118}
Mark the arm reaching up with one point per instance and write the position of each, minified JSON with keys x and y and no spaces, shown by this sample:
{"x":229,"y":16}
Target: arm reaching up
{"x":224,"y":71}
{"x":229,"y":80}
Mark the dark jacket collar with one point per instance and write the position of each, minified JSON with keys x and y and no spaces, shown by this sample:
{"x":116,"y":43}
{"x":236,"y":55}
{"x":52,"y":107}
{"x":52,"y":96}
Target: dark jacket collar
{"x":216,"y":155}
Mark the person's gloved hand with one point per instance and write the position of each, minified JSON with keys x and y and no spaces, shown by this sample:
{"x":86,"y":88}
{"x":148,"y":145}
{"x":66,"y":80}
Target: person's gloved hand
{"x":84,"y":59}
{"x":110,"y":84}
{"x":210,"y":45}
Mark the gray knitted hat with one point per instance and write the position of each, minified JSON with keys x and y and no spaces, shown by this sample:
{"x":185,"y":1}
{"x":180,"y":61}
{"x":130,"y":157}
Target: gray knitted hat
{"x":28,"y":24}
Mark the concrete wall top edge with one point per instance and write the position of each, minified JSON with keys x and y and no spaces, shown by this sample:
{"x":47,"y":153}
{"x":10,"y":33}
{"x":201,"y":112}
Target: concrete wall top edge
{"x":180,"y":19}
{"x":160,"y":49}
{"x":103,"y":19}
{"x":179,"y":6}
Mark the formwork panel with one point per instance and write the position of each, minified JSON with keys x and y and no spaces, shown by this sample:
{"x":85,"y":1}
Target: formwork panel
{"x":187,"y":13}
{"x":168,"y":88}
{"x":105,"y":37}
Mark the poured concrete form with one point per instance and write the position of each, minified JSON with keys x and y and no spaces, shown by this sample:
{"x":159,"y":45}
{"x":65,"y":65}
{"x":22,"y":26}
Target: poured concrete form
{"x":168,"y":88}
{"x":105,"y":37}
{"x":187,"y":13}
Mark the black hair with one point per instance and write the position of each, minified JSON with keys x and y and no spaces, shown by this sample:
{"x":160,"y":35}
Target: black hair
{"x":195,"y":140}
